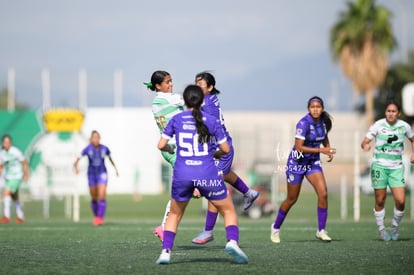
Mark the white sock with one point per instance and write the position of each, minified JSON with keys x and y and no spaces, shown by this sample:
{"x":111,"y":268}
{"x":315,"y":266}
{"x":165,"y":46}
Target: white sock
{"x":7,"y":204}
{"x":167,"y":211}
{"x":379,"y":218}
{"x":19,"y":210}
{"x":398,"y":215}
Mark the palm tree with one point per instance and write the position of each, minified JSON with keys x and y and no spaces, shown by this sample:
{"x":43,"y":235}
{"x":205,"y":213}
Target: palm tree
{"x":361,"y":41}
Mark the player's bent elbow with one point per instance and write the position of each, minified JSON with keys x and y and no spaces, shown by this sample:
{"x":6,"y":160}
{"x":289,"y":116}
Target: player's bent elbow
{"x":225,"y":148}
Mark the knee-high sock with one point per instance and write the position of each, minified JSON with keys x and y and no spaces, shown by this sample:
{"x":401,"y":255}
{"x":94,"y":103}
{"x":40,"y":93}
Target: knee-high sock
{"x":168,"y":240}
{"x":398,"y":215}
{"x":232,"y":233}
{"x":241,"y":186}
{"x":101,"y":208}
{"x":322,"y":218}
{"x":94,"y":207}
{"x":7,"y":205}
{"x":379,"y":218}
{"x":281,"y":215}
{"x":19,"y":209}
{"x":211,"y":219}
{"x":167,"y":211}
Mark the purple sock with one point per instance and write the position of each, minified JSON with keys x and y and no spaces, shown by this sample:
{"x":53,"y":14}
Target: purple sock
{"x":322,"y":217}
{"x":281,"y":215}
{"x":240,"y":186}
{"x":232,"y":233}
{"x":94,"y":206}
{"x":211,"y":219}
{"x":101,"y":208}
{"x":168,"y":241}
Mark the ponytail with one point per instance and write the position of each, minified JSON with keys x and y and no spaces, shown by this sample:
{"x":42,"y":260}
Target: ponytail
{"x":202,"y":130}
{"x":157,"y":77}
{"x":193,"y":98}
{"x":327,"y":119}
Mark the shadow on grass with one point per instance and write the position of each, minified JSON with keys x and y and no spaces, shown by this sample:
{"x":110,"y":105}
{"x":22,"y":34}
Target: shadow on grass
{"x":195,"y":254}
{"x":190,"y":260}
{"x":197,"y":247}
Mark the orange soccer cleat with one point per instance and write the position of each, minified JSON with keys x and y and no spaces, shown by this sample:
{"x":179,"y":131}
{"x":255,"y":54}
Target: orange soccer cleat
{"x":97,"y":221}
{"x":4,"y":220}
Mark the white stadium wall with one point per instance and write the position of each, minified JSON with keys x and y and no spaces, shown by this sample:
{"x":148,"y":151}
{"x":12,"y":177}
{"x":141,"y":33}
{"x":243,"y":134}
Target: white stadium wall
{"x":130,"y":134}
{"x":132,"y":137}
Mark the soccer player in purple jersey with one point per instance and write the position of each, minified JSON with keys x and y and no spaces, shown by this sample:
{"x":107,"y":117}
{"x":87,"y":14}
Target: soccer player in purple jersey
{"x":197,"y":135}
{"x":304,"y":161}
{"x":97,"y":175}
{"x":211,"y":105}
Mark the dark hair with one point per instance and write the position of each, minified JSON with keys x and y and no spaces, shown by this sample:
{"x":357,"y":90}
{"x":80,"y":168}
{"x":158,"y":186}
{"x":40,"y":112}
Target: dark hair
{"x":193,"y":98}
{"x":209,"y":79}
{"x":325,"y":116}
{"x":393,"y":102}
{"x":95,"y":132}
{"x":156,"y":78}
{"x":6,"y":136}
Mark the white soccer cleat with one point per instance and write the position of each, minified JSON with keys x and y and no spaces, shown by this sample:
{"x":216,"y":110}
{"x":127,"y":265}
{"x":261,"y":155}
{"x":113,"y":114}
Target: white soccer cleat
{"x":203,"y":238}
{"x":395,"y":233}
{"x":234,"y":250}
{"x":249,"y":198}
{"x":274,"y":234}
{"x":164,"y":258}
{"x":384,"y":235}
{"x":323,"y":235}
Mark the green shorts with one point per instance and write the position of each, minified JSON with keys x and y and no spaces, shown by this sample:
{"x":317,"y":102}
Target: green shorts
{"x":382,"y":176}
{"x":13,"y":185}
{"x":170,"y":158}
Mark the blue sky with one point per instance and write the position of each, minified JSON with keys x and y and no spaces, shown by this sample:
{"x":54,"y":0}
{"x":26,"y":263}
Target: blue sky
{"x":266,"y":54}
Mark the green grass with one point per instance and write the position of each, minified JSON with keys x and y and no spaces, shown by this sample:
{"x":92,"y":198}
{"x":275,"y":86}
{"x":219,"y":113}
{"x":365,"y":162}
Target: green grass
{"x":125,"y":244}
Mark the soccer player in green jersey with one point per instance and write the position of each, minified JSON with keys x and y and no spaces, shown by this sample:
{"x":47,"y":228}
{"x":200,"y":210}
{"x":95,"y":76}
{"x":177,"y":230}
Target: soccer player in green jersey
{"x":165,"y":105}
{"x":16,"y":170}
{"x":387,"y":166}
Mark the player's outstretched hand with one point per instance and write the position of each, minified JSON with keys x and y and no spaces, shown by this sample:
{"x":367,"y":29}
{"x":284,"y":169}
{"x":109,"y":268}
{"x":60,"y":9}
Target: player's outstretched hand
{"x":329,"y":151}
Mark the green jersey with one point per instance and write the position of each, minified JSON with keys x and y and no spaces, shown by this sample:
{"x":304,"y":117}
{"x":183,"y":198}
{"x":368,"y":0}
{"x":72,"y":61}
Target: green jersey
{"x":389,"y":142}
{"x":11,"y":160}
{"x":165,"y":106}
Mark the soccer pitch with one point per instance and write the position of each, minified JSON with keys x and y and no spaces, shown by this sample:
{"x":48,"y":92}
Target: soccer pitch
{"x":126,"y":245}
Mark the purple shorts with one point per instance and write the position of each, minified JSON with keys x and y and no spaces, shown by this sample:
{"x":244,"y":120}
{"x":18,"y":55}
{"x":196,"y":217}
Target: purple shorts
{"x":211,"y":189}
{"x":97,"y":178}
{"x":295,"y":172}
{"x":225,"y":162}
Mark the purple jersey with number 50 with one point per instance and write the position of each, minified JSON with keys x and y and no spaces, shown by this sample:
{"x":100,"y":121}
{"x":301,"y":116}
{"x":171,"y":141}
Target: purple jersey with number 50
{"x":194,"y":159}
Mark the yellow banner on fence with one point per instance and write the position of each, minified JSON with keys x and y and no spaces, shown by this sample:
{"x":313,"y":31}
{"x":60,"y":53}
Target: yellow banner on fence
{"x":63,"y":120}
